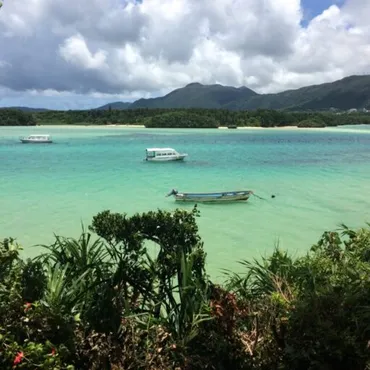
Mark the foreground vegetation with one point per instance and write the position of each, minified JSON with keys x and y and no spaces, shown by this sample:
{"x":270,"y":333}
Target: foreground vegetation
{"x":183,"y":118}
{"x":139,"y":298}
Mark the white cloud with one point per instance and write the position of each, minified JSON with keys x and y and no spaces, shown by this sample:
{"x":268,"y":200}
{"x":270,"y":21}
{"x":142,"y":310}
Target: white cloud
{"x":116,"y":48}
{"x":75,"y":51}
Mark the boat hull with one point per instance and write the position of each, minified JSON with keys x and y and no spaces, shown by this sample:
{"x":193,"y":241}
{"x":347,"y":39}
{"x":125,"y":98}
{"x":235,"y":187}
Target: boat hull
{"x":168,"y":159}
{"x":232,"y":196}
{"x":27,"y":141}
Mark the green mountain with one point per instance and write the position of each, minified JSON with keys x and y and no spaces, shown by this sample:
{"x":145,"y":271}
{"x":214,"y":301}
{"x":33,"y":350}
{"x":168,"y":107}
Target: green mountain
{"x":196,"y":95}
{"x":347,"y":93}
{"x":116,"y":105}
{"x":350,"y":92}
{"x":26,"y":109}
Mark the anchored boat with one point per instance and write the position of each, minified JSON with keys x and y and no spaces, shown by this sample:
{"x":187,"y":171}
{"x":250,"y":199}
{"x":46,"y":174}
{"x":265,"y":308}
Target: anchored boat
{"x":164,"y":155}
{"x":36,"y":139}
{"x":226,"y":196}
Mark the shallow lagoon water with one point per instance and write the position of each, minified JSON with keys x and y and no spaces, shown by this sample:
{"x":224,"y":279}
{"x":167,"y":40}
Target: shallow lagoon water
{"x":320,"y":178}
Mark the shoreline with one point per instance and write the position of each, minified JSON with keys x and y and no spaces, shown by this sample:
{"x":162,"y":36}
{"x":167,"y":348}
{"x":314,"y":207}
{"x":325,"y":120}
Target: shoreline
{"x":137,"y":126}
{"x":159,"y":128}
{"x":90,"y":126}
{"x":120,"y":126}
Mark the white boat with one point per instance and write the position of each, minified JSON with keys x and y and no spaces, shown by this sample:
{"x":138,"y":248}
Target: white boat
{"x":163,"y":155}
{"x":36,"y":139}
{"x":225,"y":196}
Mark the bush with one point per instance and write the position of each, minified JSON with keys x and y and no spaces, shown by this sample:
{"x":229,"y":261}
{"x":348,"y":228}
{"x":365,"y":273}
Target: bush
{"x":108,"y":303}
{"x":311,"y":123}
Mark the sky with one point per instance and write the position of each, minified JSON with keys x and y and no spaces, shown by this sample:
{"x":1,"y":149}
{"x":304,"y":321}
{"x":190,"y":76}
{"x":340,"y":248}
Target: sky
{"x":64,"y":54}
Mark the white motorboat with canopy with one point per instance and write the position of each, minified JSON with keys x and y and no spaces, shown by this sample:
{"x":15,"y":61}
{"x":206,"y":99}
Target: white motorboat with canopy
{"x":36,"y":139}
{"x":164,"y":155}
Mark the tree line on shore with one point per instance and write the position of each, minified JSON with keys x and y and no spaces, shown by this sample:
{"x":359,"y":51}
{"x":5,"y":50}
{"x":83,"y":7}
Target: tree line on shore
{"x":106,"y":301}
{"x":15,"y":117}
{"x":183,"y":118}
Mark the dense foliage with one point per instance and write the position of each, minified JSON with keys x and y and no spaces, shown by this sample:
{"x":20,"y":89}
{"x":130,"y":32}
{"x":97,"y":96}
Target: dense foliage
{"x":311,"y":123}
{"x":181,"y":119}
{"x":196,"y":117}
{"x":138,"y":297}
{"x":14,"y":117}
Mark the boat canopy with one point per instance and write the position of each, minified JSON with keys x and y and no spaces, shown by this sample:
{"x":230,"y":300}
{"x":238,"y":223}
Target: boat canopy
{"x":159,"y":149}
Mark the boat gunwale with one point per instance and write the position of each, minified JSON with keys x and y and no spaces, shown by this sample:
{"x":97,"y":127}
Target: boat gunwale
{"x":213,"y":200}
{"x":31,"y":136}
{"x":223,"y":193}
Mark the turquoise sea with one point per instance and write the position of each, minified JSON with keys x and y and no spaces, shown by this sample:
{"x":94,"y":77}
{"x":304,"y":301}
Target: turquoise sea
{"x":320,"y":178}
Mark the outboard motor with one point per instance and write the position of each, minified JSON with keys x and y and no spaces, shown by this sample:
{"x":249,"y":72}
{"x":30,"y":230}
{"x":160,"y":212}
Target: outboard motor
{"x":172,"y":192}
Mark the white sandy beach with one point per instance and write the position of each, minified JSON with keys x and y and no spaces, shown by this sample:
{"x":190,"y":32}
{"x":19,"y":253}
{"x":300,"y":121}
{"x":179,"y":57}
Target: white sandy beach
{"x":143,"y":126}
{"x":91,"y":126}
{"x":120,"y":126}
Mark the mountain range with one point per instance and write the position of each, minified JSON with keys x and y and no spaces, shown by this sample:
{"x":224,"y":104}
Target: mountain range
{"x":347,"y":93}
{"x":27,"y":109}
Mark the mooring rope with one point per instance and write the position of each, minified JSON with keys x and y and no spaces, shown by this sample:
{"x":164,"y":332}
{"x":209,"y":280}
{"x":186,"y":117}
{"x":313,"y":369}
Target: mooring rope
{"x":272,"y":196}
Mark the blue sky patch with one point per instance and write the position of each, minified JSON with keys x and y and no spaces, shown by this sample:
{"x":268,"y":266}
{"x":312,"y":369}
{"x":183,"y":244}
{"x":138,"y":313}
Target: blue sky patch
{"x":313,"y":8}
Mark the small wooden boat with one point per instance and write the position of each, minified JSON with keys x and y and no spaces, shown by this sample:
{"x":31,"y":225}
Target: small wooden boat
{"x":226,"y":196}
{"x":36,"y":139}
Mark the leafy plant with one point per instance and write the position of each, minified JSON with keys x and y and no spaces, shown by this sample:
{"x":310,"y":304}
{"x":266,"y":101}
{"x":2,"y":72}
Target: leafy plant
{"x":113,"y":302}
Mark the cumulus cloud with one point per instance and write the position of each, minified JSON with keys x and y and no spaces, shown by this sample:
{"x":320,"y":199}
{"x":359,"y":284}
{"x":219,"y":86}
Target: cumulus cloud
{"x":127,"y":48}
{"x":75,"y":51}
